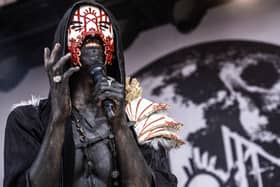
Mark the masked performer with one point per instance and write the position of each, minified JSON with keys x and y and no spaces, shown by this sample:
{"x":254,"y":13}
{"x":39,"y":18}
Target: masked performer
{"x":86,"y":133}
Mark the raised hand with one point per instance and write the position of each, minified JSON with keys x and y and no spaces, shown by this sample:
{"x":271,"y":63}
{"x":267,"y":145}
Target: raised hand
{"x":59,"y":82}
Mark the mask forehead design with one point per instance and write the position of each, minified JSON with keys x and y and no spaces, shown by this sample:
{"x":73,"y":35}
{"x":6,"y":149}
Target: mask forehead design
{"x":90,"y":21}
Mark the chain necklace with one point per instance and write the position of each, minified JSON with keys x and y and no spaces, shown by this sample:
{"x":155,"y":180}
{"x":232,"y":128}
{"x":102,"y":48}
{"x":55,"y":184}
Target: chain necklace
{"x":84,"y":140}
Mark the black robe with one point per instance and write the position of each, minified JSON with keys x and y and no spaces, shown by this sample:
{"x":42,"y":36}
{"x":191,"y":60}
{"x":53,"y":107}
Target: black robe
{"x":26,"y":126}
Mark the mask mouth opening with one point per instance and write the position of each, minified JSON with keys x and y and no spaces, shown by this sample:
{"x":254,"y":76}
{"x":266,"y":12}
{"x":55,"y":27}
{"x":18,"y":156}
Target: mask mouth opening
{"x":92,"y":41}
{"x":91,"y":38}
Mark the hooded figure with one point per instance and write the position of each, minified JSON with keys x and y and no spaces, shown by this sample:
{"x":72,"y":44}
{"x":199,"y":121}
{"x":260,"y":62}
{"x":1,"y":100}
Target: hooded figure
{"x":59,"y":142}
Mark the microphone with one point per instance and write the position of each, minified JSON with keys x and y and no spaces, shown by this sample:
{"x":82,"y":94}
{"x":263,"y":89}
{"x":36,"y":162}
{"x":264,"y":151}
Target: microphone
{"x":97,"y":74}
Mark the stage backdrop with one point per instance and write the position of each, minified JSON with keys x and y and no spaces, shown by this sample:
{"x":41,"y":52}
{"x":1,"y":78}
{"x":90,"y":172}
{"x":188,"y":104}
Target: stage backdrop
{"x":228,"y":95}
{"x":221,"y":81}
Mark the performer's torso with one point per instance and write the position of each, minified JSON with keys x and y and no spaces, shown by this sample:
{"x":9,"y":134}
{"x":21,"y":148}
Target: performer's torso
{"x":93,"y":153}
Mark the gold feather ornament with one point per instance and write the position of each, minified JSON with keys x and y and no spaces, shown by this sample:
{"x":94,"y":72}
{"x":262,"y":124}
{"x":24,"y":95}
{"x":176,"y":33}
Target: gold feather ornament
{"x":133,"y":89}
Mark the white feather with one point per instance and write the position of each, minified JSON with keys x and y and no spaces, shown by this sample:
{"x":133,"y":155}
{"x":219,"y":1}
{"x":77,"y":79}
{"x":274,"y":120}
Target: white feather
{"x":35,"y":100}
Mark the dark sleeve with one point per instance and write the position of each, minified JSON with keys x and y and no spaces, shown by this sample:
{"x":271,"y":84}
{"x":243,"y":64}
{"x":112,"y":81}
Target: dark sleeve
{"x":21,"y":147}
{"x":159,"y":162}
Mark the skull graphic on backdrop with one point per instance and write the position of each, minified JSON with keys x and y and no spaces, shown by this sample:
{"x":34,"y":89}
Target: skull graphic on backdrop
{"x":228,"y":95}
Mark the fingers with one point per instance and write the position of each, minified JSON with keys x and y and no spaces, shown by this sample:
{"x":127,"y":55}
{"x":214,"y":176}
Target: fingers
{"x":55,"y":67}
{"x":50,"y":57}
{"x":62,"y":61}
{"x":110,"y":90}
{"x":70,"y":72}
{"x":46,"y":57}
{"x":104,"y":87}
{"x":55,"y":53}
{"x":115,"y":94}
{"x":108,"y":83}
{"x":110,"y":95}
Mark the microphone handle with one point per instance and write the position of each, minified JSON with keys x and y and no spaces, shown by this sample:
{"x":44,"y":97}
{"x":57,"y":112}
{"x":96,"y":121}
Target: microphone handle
{"x":97,"y":73}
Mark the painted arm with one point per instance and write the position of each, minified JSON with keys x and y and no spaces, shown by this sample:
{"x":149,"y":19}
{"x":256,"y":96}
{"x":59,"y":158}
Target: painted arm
{"x":45,"y":170}
{"x":133,"y":167}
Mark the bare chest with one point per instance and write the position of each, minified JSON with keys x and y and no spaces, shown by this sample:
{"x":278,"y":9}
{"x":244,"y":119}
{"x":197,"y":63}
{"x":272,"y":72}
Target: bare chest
{"x":93,"y":152}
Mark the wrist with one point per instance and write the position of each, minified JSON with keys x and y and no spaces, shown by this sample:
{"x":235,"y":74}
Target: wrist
{"x":118,"y":123}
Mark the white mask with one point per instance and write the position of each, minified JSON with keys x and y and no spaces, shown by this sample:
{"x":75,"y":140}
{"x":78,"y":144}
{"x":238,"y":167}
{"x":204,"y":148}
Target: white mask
{"x":90,"y":21}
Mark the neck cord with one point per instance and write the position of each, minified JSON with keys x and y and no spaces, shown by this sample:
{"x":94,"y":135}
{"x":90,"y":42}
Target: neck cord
{"x":84,"y":140}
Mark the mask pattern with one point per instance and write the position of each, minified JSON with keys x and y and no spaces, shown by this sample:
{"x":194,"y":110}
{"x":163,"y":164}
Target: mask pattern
{"x":90,"y":21}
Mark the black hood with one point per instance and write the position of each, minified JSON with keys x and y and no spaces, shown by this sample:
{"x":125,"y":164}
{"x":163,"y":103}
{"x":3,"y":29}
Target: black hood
{"x":116,"y":70}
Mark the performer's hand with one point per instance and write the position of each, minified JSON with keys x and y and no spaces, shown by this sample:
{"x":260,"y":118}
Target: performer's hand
{"x":113,"y":90}
{"x":59,"y":82}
